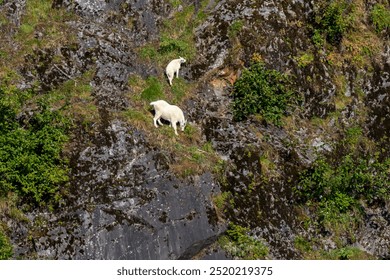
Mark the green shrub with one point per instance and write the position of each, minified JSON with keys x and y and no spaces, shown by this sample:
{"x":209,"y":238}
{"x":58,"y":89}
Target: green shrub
{"x":5,"y":247}
{"x":355,"y":177}
{"x":337,"y":188}
{"x":380,"y":17}
{"x":239,"y":244}
{"x":31,"y":164}
{"x":261,"y":91}
{"x":331,"y":20}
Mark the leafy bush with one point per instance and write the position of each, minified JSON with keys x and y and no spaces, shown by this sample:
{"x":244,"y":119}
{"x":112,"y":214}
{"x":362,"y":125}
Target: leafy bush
{"x":331,"y":20}
{"x":31,"y":164}
{"x":239,"y":244}
{"x":380,"y":17}
{"x":351,"y":177}
{"x":337,"y":188}
{"x":261,"y":91}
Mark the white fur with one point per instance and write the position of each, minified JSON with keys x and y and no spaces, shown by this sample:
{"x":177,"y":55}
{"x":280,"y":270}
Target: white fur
{"x":168,"y":112}
{"x":173,"y":67}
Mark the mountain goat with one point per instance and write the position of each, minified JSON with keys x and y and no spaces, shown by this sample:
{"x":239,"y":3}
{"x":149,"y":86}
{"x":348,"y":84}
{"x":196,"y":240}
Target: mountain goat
{"x":173,"y":67}
{"x":168,"y":112}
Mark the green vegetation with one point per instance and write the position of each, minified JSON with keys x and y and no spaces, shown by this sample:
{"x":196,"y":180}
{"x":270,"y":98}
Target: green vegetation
{"x":261,"y":91}
{"x":222,"y":200}
{"x":31,"y":164}
{"x":240,"y":245}
{"x":305,"y":59}
{"x":192,"y":159}
{"x":336,"y":189}
{"x":346,"y":253}
{"x":175,"y":3}
{"x":380,"y":16}
{"x":235,"y":28}
{"x":41,"y":17}
{"x":306,"y":247}
{"x":153,"y":90}
{"x":331,"y":20}
{"x":5,"y":247}
{"x":179,"y":90}
{"x":170,"y":45}
{"x":177,"y":35}
{"x":339,"y":29}
{"x":341,"y":184}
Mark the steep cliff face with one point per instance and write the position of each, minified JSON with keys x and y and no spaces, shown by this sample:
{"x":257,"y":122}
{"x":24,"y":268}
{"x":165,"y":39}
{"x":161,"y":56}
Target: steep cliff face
{"x":139,"y":193}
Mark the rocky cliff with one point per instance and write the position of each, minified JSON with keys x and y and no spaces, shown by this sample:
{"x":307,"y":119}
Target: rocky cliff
{"x":223,"y":187}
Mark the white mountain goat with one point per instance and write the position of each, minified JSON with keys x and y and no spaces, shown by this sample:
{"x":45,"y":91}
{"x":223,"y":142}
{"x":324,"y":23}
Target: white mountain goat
{"x":168,"y":112}
{"x":173,"y":67}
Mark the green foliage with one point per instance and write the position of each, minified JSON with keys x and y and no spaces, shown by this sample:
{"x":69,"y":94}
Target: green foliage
{"x":189,"y":130}
{"x":30,"y":152}
{"x":346,"y":253}
{"x":153,"y":91}
{"x":136,"y":115}
{"x":240,"y":245}
{"x":331,"y":20}
{"x":175,"y":3}
{"x":353,"y":135}
{"x":261,"y":91}
{"x":169,"y":45}
{"x":336,"y":188}
{"x":380,"y":16}
{"x":177,"y":35}
{"x":305,"y":59}
{"x":5,"y":247}
{"x":26,"y":29}
{"x":148,"y":52}
{"x":310,"y":250}
{"x":235,"y":28}
{"x":179,"y":90}
{"x":350,"y":177}
{"x":221,"y":200}
{"x":302,"y":244}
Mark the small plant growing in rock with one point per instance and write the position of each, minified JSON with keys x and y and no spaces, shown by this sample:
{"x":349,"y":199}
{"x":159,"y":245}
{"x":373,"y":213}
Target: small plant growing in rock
{"x":235,"y":28}
{"x":5,"y":247}
{"x":380,"y":17}
{"x":331,"y":20}
{"x":242,"y":246}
